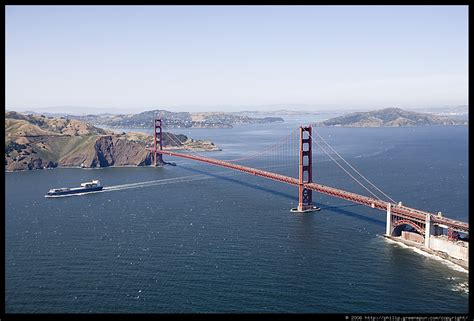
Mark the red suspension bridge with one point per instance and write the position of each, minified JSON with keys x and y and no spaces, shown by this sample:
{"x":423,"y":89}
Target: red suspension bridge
{"x":424,"y":223}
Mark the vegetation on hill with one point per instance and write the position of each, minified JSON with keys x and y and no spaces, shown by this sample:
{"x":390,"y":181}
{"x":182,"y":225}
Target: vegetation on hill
{"x":176,"y":119}
{"x":390,"y":117}
{"x":35,"y":142}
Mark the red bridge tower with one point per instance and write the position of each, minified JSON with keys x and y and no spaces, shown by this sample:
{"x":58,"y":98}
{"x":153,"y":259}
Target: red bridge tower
{"x":305,"y":196}
{"x":158,"y":135}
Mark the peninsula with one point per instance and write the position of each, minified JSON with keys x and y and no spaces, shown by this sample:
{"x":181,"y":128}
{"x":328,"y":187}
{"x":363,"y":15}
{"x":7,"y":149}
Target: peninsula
{"x":37,"y":142}
{"x":174,"y":119}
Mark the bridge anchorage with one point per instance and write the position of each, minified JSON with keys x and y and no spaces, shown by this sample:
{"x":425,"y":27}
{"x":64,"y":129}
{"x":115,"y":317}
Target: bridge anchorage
{"x":305,"y":195}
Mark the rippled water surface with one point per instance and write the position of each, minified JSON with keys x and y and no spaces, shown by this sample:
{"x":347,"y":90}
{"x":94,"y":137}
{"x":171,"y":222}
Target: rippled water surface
{"x":196,"y":238}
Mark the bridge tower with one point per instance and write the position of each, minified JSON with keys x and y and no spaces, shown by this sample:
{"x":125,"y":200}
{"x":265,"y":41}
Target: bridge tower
{"x":305,"y":196}
{"x":158,"y":134}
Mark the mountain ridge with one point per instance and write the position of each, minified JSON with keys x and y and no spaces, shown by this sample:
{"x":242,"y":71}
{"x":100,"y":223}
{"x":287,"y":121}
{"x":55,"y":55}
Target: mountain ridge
{"x":390,"y":117}
{"x":171,"y":119}
{"x":37,"y":142}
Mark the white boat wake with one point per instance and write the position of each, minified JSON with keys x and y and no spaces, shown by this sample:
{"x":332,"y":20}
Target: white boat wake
{"x":165,"y":181}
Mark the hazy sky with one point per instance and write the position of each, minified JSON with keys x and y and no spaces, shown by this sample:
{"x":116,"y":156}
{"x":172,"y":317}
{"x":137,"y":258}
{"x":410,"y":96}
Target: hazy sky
{"x":223,"y":57}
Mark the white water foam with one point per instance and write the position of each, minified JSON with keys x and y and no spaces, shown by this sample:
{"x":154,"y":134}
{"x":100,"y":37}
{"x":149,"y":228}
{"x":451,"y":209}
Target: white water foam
{"x":439,"y":259}
{"x":375,"y":153}
{"x":462,"y":287}
{"x":67,"y":195}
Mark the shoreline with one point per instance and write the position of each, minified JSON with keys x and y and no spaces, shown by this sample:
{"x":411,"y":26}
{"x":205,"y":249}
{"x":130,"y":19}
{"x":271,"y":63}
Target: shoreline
{"x":460,"y":265}
{"x":199,"y":150}
{"x":79,"y":167}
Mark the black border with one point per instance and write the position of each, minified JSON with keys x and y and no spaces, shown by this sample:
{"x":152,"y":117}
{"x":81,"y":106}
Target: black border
{"x":231,"y":316}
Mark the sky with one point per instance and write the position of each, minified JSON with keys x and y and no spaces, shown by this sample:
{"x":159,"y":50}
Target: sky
{"x":229,"y":58}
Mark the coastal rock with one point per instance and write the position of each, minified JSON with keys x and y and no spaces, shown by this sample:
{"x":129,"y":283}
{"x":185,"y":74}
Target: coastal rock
{"x":36,"y":142}
{"x":51,"y":164}
{"x":35,"y":163}
{"x":110,"y":151}
{"x":25,"y":163}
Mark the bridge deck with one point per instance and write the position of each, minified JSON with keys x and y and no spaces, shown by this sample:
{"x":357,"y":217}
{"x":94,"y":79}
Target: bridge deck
{"x":403,"y":211}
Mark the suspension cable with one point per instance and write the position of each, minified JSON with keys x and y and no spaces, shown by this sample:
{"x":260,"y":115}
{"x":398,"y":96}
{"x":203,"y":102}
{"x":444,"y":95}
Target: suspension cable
{"x":286,"y":139}
{"x":378,"y":189}
{"x":179,"y":143}
{"x":281,"y":142}
{"x":324,"y":150}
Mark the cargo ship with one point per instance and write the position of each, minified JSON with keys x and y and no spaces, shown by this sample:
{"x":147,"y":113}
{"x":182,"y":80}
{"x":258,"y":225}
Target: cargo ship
{"x":86,"y":187}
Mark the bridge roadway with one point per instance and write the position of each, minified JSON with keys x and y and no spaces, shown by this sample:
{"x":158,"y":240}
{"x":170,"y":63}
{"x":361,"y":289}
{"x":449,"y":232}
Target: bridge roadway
{"x":400,"y":210}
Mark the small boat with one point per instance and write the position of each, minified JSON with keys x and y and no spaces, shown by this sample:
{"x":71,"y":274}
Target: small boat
{"x":86,"y":187}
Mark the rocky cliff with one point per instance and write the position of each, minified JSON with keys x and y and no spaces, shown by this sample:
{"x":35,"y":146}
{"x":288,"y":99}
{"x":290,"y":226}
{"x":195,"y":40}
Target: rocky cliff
{"x":36,"y":142}
{"x":109,"y":151}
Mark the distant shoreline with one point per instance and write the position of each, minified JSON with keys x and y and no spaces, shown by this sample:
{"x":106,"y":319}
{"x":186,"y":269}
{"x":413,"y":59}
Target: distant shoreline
{"x":404,"y":126}
{"x":391,"y":117}
{"x":78,"y":167}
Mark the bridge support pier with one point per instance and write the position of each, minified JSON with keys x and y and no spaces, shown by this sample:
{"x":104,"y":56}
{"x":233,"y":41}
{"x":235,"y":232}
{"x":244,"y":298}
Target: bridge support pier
{"x":158,"y":135}
{"x":427,"y":230}
{"x":305,"y":196}
{"x":388,"y":227}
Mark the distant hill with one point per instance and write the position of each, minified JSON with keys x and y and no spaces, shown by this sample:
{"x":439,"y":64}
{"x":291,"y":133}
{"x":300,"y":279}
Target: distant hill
{"x":68,"y":110}
{"x":174,"y":119}
{"x":35,"y":142}
{"x":280,"y":112}
{"x":390,"y":117}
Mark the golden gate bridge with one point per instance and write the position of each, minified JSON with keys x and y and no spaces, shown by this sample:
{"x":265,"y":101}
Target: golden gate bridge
{"x":303,"y":141}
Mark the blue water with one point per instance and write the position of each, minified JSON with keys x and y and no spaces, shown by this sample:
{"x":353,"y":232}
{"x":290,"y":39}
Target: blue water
{"x":222,"y":241}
